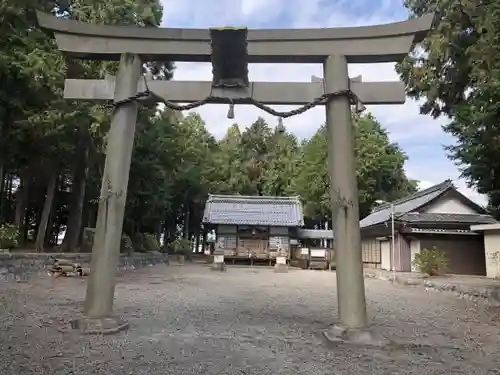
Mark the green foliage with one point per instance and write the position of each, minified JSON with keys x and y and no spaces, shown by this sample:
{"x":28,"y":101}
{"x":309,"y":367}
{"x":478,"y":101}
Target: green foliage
{"x":380,"y":169}
{"x":126,"y":245}
{"x":432,"y":262}
{"x":138,"y":243}
{"x":181,"y":246}
{"x":9,"y":236}
{"x":150,"y":242}
{"x":456,"y":72}
{"x":145,"y":242}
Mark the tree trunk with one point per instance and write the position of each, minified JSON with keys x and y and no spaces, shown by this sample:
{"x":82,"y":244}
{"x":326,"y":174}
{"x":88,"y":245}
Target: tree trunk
{"x":72,"y":235}
{"x":186,"y":222}
{"x":50,"y":232}
{"x":86,"y":216}
{"x":165,"y":237}
{"x":158,"y":232}
{"x":47,"y":208}
{"x":3,"y":196}
{"x":38,"y":201}
{"x":92,"y":216}
{"x":9,"y":187}
{"x":4,"y":131}
{"x":198,"y":240}
{"x":25,"y":228}
{"x":54,"y":227}
{"x":7,"y":212}
{"x":22,"y":198}
{"x":169,"y":228}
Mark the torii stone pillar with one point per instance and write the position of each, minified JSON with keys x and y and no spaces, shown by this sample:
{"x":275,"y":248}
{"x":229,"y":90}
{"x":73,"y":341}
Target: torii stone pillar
{"x":101,"y":284}
{"x":343,"y":186}
{"x":334,"y":48}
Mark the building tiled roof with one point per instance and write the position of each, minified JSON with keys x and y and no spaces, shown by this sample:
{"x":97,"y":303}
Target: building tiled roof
{"x":253,"y":210}
{"x":414,"y":217}
{"x":415,"y":201}
{"x":382,"y":213}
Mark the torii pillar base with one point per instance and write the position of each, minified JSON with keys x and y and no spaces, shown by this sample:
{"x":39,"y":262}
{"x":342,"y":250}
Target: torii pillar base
{"x":338,"y":334}
{"x":94,"y":326}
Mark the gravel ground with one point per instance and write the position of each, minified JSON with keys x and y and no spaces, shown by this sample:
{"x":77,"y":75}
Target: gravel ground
{"x":190,"y":320}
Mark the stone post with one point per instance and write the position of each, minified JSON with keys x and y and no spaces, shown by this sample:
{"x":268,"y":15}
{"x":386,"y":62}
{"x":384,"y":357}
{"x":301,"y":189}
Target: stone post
{"x":218,"y":264}
{"x":281,"y":266}
{"x":350,"y":278}
{"x":106,"y":248}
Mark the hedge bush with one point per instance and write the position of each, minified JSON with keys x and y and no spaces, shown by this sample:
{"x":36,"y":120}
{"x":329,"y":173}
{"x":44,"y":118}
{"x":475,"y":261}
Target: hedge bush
{"x":432,"y":262}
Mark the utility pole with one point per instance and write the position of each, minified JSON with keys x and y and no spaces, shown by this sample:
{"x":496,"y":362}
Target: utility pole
{"x":393,"y":244}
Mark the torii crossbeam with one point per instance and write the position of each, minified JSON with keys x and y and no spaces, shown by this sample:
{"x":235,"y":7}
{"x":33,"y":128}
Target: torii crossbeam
{"x":271,"y":93}
{"x":230,"y":51}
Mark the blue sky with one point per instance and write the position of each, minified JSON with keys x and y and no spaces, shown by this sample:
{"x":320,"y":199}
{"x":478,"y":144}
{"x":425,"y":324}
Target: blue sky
{"x":420,"y":137}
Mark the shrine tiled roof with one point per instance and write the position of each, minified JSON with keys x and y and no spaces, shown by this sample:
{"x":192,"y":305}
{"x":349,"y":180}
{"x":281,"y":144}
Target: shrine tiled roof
{"x":253,"y":210}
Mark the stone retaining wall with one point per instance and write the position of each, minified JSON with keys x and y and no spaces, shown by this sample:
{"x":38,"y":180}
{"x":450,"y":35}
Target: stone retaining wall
{"x":23,"y":266}
{"x":491,"y":294}
{"x":461,"y":288}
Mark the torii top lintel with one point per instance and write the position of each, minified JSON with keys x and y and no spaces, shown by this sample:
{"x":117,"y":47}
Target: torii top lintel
{"x":366,"y":44}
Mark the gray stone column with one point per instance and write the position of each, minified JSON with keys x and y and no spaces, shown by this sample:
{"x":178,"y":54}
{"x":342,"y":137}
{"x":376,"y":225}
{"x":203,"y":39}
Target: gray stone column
{"x":344,"y":192}
{"x":106,"y":248}
{"x":219,"y":263}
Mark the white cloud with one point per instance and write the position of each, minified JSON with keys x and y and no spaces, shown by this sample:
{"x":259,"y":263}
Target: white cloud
{"x":404,"y":122}
{"x":439,"y":174}
{"x":267,"y":9}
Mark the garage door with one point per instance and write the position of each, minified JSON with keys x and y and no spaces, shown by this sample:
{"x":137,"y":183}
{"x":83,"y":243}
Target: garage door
{"x":465,"y":253}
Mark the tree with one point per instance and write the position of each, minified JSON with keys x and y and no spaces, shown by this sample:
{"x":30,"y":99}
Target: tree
{"x":241,"y":159}
{"x":225,"y":167}
{"x":380,"y":172}
{"x":25,"y":73}
{"x":456,"y":71}
{"x":152,"y":178}
{"x":255,"y":147}
{"x":41,"y":132}
{"x":281,"y":164}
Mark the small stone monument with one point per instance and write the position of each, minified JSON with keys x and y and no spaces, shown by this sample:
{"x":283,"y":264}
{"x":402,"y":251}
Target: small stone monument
{"x":218,"y":264}
{"x":281,"y":266}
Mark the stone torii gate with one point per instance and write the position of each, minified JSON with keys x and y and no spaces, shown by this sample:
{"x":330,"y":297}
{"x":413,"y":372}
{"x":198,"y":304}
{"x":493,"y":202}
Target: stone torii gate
{"x":230,"y":51}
